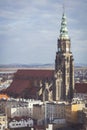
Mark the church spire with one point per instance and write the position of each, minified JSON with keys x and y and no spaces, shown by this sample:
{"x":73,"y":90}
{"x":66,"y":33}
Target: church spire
{"x":64,"y":30}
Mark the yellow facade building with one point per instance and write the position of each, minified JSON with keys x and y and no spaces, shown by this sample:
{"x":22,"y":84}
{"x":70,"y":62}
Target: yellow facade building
{"x":3,"y":121}
{"x":72,"y":111}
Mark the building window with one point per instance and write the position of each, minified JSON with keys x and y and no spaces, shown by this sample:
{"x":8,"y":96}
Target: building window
{"x":3,"y":119}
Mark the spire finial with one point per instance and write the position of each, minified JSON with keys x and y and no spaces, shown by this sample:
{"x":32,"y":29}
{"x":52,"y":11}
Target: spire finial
{"x":63,"y":7}
{"x":64,"y":30}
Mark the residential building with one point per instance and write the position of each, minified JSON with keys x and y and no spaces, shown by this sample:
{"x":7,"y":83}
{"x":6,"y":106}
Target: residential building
{"x":20,"y":108}
{"x":85,"y":118}
{"x":49,"y":112}
{"x":31,"y":103}
{"x":3,"y":121}
{"x":20,"y":122}
{"x":2,"y":105}
{"x":73,"y":112}
{"x":39,"y":113}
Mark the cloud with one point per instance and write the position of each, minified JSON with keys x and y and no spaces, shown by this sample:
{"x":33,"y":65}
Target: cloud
{"x":26,"y":25}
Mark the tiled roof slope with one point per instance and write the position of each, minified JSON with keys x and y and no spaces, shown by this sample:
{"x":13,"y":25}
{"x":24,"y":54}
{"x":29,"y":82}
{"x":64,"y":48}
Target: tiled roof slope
{"x":4,"y":96}
{"x":81,"y":87}
{"x":42,"y":74}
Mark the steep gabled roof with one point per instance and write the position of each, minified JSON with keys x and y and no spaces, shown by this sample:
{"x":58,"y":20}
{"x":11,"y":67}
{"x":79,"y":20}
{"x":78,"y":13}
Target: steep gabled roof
{"x":34,"y":73}
{"x":18,"y":86}
{"x":23,"y":82}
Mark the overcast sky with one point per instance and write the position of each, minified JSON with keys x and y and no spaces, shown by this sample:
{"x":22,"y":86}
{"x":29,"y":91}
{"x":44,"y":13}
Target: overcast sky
{"x":29,"y":30}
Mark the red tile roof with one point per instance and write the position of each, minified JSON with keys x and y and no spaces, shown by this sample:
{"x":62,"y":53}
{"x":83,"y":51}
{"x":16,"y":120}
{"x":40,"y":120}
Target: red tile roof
{"x":35,"y":74}
{"x":23,"y":82}
{"x":4,"y":96}
{"x":81,"y":87}
{"x":18,"y":86}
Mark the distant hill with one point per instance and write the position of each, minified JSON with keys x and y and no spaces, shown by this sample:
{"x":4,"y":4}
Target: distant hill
{"x":80,"y":65}
{"x":49,"y":65}
{"x":27,"y":66}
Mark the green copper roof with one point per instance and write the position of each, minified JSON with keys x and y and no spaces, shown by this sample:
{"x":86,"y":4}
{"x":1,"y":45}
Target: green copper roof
{"x":64,"y":30}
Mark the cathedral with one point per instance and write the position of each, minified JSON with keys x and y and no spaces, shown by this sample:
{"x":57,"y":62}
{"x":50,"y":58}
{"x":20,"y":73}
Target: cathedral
{"x":48,"y":85}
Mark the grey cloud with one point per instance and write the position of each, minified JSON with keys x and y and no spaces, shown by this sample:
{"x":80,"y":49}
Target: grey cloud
{"x":33,"y":24}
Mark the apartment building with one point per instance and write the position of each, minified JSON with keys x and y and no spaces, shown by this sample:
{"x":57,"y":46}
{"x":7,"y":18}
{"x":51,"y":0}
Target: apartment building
{"x":3,"y":121}
{"x":73,"y":112}
{"x":20,"y":122}
{"x":49,"y":112}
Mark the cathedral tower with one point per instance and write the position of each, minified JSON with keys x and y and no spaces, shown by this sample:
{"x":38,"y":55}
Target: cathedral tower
{"x":64,"y":67}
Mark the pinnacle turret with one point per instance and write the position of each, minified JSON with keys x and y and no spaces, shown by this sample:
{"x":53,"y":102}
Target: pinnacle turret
{"x":64,"y":30}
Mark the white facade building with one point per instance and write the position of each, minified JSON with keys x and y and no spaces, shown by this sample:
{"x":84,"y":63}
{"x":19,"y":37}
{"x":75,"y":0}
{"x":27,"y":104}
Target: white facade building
{"x":20,"y":108}
{"x":3,"y":121}
{"x":20,"y":123}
